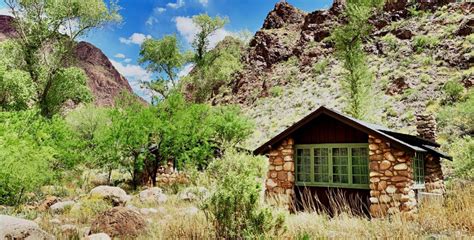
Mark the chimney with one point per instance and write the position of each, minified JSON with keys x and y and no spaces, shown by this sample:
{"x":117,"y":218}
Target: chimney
{"x":426,"y":126}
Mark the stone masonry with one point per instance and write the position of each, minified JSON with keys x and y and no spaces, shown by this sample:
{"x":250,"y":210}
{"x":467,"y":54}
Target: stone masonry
{"x":391,"y":180}
{"x":281,"y":172}
{"x":426,"y":127}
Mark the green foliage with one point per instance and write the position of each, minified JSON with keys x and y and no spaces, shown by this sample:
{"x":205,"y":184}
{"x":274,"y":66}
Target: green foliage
{"x":235,"y":207}
{"x":391,"y":41}
{"x":458,"y":119}
{"x":276,"y":91}
{"x":43,"y":49}
{"x":33,"y":152}
{"x":453,"y":91}
{"x":89,"y":208}
{"x":215,"y":70}
{"x":462,"y":151}
{"x":422,"y":42}
{"x":207,"y":26}
{"x":320,"y":66}
{"x":164,"y":57}
{"x":348,"y":39}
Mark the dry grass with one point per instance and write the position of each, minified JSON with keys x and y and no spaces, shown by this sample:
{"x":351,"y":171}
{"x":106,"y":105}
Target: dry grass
{"x":452,"y":218}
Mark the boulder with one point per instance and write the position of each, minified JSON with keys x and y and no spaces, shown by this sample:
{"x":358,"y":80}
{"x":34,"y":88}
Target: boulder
{"x":98,"y":236}
{"x":116,"y":195}
{"x":17,"y":228}
{"x":100,"y":179}
{"x":154,"y":194}
{"x":119,"y":222}
{"x":48,"y":202}
{"x":60,"y":207}
{"x":466,"y":27}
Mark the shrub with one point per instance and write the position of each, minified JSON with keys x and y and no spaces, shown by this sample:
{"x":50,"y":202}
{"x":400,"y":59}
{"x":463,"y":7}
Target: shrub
{"x":458,"y":119}
{"x":320,"y":66}
{"x":462,"y":150}
{"x":391,"y":41}
{"x":236,"y":207}
{"x":276,"y":91}
{"x":453,"y":91}
{"x":423,"y":42}
{"x":88,"y":208}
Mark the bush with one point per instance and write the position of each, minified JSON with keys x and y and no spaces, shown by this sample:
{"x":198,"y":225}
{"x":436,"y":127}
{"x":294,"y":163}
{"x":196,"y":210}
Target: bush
{"x":391,"y":41}
{"x":453,"y":91}
{"x":458,"y":119}
{"x":276,"y":91}
{"x":462,"y":151}
{"x":320,"y":66}
{"x":423,"y":42}
{"x":236,"y":207}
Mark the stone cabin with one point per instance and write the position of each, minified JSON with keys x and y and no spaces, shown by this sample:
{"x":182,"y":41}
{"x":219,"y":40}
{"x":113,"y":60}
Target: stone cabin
{"x":327,"y":152}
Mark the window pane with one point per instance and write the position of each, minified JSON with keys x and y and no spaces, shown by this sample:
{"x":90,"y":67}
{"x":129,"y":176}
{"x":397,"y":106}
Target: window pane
{"x":360,"y":165}
{"x":321,"y":165}
{"x":303,"y":165}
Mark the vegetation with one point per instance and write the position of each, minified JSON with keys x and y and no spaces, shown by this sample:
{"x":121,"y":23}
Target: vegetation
{"x":348,"y":39}
{"x":238,"y":187}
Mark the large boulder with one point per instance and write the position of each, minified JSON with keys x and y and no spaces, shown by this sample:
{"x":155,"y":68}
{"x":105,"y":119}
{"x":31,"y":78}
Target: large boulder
{"x":116,"y":195}
{"x":154,"y":194}
{"x":17,"y":228}
{"x":60,"y":207}
{"x":119,"y":222}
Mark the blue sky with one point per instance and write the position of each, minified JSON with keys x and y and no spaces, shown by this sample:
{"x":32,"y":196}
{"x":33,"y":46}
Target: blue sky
{"x":156,"y":18}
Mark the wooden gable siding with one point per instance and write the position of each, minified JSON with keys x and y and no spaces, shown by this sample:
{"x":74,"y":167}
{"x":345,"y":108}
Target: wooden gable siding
{"x":325,"y":129}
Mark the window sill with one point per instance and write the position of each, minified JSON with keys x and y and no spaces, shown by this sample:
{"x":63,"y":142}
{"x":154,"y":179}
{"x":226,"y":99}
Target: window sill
{"x":332,"y":185}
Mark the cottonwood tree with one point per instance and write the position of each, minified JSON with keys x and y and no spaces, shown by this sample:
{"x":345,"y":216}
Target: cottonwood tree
{"x":348,"y":39}
{"x":207,"y":27}
{"x":164,"y":57}
{"x":46,"y":34}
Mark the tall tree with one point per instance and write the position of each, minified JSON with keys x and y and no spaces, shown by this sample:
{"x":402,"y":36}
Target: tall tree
{"x":164,"y":57}
{"x":348,"y":40}
{"x":207,"y":27}
{"x":47,"y":30}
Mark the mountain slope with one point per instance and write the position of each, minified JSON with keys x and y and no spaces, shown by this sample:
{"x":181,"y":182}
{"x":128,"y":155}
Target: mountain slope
{"x":105,"y":81}
{"x":290,"y":68}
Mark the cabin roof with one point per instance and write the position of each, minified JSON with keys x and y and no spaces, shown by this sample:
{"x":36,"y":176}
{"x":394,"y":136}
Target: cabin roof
{"x":400,"y":140}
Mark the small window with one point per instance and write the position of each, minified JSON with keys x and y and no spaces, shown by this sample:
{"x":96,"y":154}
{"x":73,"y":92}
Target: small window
{"x":360,"y":171}
{"x":419,"y":169}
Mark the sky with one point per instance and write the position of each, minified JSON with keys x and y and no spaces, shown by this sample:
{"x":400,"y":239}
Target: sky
{"x":156,"y":18}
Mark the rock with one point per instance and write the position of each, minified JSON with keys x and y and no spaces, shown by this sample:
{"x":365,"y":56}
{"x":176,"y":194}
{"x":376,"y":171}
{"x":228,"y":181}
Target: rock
{"x":384,"y":165}
{"x":193,"y":193}
{"x":17,"y":228}
{"x":388,"y":156}
{"x":148,"y":211}
{"x":48,"y":201}
{"x":283,"y":14}
{"x":391,"y":189}
{"x":271,"y":183}
{"x":69,"y":230}
{"x":466,"y":27}
{"x":100,"y":179}
{"x":119,"y":222}
{"x":60,"y":207}
{"x":400,"y":166}
{"x":402,"y":33}
{"x":154,"y":194}
{"x":116,"y":195}
{"x":98,"y":236}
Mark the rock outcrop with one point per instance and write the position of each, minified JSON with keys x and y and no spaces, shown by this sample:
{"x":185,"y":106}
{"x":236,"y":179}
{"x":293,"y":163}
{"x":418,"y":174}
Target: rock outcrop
{"x":116,"y":195}
{"x":282,"y":15}
{"x":105,"y":81}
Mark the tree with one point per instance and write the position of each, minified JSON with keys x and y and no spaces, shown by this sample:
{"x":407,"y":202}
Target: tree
{"x":164,"y":57}
{"x":207,"y":27}
{"x":47,"y":30}
{"x":348,"y":40}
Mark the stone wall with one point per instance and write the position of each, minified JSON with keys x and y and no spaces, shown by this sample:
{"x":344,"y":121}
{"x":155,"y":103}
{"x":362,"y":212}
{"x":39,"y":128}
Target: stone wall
{"x":391,"y":180}
{"x":281,"y":172}
{"x":434,"y":182}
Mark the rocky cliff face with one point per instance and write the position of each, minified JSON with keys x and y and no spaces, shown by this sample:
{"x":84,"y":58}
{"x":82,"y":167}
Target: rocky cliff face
{"x":290,"y":68}
{"x":105,"y":81}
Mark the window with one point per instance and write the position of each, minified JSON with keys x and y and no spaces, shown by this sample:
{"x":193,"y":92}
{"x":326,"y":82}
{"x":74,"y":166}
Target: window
{"x":419,"y":169}
{"x":338,"y":165}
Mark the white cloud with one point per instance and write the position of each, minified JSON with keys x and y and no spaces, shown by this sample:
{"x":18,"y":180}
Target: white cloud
{"x":70,"y":27}
{"x":159,"y":10}
{"x":127,"y":60}
{"x":136,"y":38}
{"x":178,"y":4}
{"x":119,"y":55}
{"x":135,"y":75}
{"x":5,"y":11}
{"x":151,"y":21}
{"x":186,"y":70}
{"x":189,"y":30}
{"x":204,"y":2}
